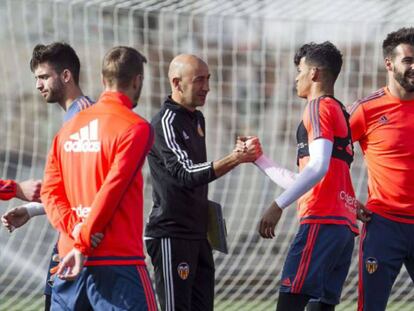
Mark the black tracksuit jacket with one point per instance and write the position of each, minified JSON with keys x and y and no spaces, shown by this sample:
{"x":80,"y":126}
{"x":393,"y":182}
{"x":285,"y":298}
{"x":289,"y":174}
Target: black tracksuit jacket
{"x":180,"y":174}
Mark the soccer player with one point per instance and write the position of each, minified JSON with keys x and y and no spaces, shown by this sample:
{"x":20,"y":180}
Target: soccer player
{"x":319,"y":257}
{"x":382,"y":124}
{"x":28,"y":190}
{"x":176,"y":233}
{"x":93,"y":184}
{"x":56,"y":68}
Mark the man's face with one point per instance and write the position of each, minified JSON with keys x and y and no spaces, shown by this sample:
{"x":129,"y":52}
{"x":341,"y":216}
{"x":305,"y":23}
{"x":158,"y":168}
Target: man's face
{"x":195,"y":85}
{"x":49,"y":83}
{"x":303,"y":79}
{"x":403,"y":66}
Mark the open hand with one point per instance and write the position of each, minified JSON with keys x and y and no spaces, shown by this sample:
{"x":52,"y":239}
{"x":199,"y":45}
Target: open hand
{"x":71,"y":266}
{"x":269,"y":221}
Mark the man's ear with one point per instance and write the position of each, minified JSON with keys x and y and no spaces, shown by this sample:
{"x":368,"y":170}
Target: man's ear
{"x":315,"y":74}
{"x":176,"y":84}
{"x":388,"y":64}
{"x":66,"y":75}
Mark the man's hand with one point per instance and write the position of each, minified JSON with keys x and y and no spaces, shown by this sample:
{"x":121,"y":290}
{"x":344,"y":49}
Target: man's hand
{"x":71,"y":266}
{"x":363,"y":214}
{"x":269,"y":221}
{"x":15,"y":218}
{"x":29,"y":190}
{"x":96,"y":238}
{"x":247,"y":149}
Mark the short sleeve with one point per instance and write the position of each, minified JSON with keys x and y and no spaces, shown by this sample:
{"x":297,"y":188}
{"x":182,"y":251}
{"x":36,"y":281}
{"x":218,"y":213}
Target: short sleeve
{"x":319,"y":120}
{"x":357,"y":121}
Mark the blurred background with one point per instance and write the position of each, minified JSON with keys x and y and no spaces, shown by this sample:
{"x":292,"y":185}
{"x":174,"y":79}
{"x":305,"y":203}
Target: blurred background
{"x":249,"y":46}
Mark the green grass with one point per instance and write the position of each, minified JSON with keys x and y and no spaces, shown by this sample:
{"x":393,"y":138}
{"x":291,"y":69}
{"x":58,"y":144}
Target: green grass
{"x":36,"y":304}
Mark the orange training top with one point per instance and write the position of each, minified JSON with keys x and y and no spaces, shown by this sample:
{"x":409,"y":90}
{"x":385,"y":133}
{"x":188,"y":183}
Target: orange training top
{"x":93,"y":175}
{"x":332,"y":199}
{"x":384,"y":127}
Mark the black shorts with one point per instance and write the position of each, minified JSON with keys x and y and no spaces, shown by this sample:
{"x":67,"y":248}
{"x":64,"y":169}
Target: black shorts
{"x":184,"y":273}
{"x":49,"y":277}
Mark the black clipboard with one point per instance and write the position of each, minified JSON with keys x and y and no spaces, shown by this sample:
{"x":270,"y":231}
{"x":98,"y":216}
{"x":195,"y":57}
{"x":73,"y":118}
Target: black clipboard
{"x":216,"y":228}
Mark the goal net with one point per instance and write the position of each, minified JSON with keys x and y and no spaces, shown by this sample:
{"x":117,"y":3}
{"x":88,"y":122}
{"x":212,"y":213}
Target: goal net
{"x":249,"y":46}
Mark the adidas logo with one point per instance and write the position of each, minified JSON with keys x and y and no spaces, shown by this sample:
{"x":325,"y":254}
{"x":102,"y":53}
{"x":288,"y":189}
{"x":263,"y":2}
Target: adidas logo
{"x":85,"y":140}
{"x":286,"y":282}
{"x":383,"y":120}
{"x":185,"y":135}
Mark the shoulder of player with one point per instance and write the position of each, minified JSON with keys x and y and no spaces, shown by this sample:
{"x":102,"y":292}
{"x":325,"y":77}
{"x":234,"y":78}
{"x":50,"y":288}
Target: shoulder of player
{"x":82,"y":103}
{"x":320,"y":105}
{"x":367,"y":101}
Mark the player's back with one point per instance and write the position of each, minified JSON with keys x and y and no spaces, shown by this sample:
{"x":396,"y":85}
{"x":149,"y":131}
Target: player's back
{"x":90,"y":150}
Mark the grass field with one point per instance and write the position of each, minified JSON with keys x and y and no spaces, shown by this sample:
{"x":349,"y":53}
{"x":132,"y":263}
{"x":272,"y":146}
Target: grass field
{"x":36,"y":304}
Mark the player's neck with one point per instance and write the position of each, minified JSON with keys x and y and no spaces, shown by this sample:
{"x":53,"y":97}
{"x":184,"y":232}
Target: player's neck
{"x":319,"y":90}
{"x":398,"y":91}
{"x":70,"y":97}
{"x":182,"y":103}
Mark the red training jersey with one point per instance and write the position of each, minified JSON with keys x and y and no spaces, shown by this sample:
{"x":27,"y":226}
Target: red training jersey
{"x":383,"y":125}
{"x":8,"y":189}
{"x":93,"y":175}
{"x":332,"y":199}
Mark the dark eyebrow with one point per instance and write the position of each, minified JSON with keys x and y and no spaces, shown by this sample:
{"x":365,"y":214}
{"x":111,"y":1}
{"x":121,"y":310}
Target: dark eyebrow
{"x":407,"y":58}
{"x":42,"y":76}
{"x":201,"y":77}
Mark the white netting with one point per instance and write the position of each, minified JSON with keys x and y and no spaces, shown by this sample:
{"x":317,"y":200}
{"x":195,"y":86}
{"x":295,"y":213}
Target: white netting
{"x":249,"y":46}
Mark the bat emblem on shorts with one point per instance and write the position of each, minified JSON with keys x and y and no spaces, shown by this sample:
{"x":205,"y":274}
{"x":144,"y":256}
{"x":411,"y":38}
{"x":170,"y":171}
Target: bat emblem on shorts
{"x":371,"y":264}
{"x":183,"y":270}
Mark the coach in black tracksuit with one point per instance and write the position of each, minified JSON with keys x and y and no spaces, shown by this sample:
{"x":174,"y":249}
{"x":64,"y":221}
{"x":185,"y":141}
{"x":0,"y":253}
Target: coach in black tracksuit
{"x":176,"y":233}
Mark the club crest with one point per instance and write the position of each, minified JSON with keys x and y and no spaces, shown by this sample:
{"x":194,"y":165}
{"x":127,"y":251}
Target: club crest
{"x":183,"y":270}
{"x":371,"y":264}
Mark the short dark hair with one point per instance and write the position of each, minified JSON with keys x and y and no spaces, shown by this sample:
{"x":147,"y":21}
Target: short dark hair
{"x":324,"y":55}
{"x":393,"y":39}
{"x":121,"y":64}
{"x":59,"y":55}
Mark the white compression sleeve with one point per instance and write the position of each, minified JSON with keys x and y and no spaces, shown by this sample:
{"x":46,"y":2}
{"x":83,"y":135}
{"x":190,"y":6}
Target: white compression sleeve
{"x":282,"y":177}
{"x":34,"y":209}
{"x":320,"y":151}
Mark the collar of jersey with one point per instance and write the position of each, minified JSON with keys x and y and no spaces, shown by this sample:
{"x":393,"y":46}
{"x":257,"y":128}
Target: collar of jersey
{"x":171,"y":104}
{"x":116,"y":98}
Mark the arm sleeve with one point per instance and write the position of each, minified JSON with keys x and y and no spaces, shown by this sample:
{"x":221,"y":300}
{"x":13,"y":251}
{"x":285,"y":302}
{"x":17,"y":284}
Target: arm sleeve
{"x":169,"y":146}
{"x":357,"y":121}
{"x":53,"y":194}
{"x":320,"y":151}
{"x":130,"y":155}
{"x":282,"y":177}
{"x":8,"y":189}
